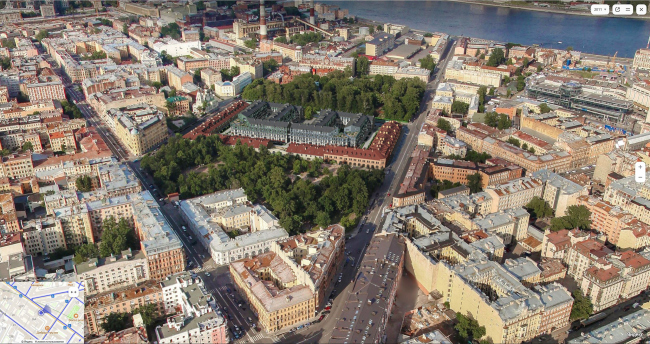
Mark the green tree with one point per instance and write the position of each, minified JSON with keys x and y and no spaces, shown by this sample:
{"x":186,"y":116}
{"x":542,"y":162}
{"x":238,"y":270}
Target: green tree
{"x":84,"y":183}
{"x":539,"y":208}
{"x":468,"y":328}
{"x":282,"y":39}
{"x":544,"y":108}
{"x":513,"y":141}
{"x":157,"y":85}
{"x":504,"y":122}
{"x":251,"y":43}
{"x":442,"y":185}
{"x":200,"y":6}
{"x":28,"y":146}
{"x":85,"y":252}
{"x":582,"y":307}
{"x":149,"y":313}
{"x":428,"y":63}
{"x":363,"y":66}
{"x":42,"y":34}
{"x":270,"y":66}
{"x":371,"y":29}
{"x":444,"y":125}
{"x":521,"y":83}
{"x":322,"y":219}
{"x":380,"y":28}
{"x":459,"y":107}
{"x":97,"y":55}
{"x":497,"y":57}
{"x":474,"y":182}
{"x":475,"y":156}
{"x":172,"y":30}
{"x":125,"y":29}
{"x":577,"y":216}
{"x":306,"y":38}
{"x":116,"y":322}
{"x":116,"y":237}
{"x":569,"y":48}
{"x":9,"y":43}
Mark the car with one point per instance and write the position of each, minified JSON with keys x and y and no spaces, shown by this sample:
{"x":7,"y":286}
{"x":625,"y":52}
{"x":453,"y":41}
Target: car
{"x":189,"y":237}
{"x":203,"y":256}
{"x":151,"y":186}
{"x":328,"y":308}
{"x":228,"y":290}
{"x":184,"y":228}
{"x":250,"y":320}
{"x":388,"y":194}
{"x":207,"y":274}
{"x":161,"y":200}
{"x":326,"y":312}
{"x":321,"y":318}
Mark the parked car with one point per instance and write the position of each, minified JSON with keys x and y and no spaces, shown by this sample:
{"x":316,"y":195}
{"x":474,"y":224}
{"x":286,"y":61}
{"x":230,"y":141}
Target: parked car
{"x":328,"y":308}
{"x":321,"y":317}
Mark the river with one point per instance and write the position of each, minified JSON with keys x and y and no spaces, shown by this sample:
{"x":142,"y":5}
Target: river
{"x":595,"y":35}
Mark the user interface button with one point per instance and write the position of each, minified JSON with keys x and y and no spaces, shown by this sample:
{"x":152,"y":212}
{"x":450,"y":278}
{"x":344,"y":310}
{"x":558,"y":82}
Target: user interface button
{"x":622,"y":10}
{"x":600,"y":10}
{"x":641,"y":9}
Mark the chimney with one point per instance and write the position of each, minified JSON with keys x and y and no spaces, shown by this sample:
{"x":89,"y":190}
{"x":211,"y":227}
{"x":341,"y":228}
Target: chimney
{"x":312,"y":19}
{"x":262,"y":21}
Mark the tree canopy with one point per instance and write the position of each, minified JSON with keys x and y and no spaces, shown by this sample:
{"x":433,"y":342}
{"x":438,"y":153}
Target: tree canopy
{"x":251,"y":43}
{"x":468,"y":328}
{"x":149,"y":313}
{"x":71,"y":109}
{"x":28,"y":146}
{"x":499,"y":121}
{"x":83,"y":183}
{"x":308,"y":37}
{"x":85,"y":252}
{"x":116,"y":322}
{"x":117,"y":237}
{"x":428,"y":63}
{"x":97,"y":55}
{"x":377,"y":95}
{"x":444,"y":124}
{"x":172,"y":30}
{"x":459,"y":107}
{"x":539,"y":208}
{"x":497,"y":57}
{"x":229,"y":74}
{"x":442,"y":185}
{"x":42,"y":34}
{"x":577,"y":216}
{"x":474,"y":182}
{"x":582,"y":307}
{"x":362,"y":66}
{"x":544,"y":108}
{"x":265,"y":177}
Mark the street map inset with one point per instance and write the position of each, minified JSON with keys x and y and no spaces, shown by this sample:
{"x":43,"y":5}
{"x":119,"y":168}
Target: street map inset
{"x":41,"y":312}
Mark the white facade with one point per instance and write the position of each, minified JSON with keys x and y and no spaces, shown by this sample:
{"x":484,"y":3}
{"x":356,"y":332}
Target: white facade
{"x":176,"y":48}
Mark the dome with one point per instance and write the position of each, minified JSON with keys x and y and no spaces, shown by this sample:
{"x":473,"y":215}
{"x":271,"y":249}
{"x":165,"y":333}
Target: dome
{"x":134,"y":131}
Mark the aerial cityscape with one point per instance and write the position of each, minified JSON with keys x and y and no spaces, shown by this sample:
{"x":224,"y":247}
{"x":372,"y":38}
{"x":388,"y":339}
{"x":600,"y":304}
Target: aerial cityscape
{"x":302,"y":171}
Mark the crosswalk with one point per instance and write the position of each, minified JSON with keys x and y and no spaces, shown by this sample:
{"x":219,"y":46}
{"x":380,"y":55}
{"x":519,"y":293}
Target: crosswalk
{"x":199,"y":269}
{"x":257,"y":337}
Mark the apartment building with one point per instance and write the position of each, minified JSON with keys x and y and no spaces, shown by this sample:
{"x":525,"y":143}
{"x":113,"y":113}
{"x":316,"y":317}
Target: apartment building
{"x":605,"y":217}
{"x":559,"y":192}
{"x":515,"y":193}
{"x":263,"y":226}
{"x":373,"y":292}
{"x":580,"y":256}
{"x":177,"y":77}
{"x":556,"y":245}
{"x":602,"y":284}
{"x":139,"y":127}
{"x":326,"y":62}
{"x":101,"y":275}
{"x":16,"y":166}
{"x":42,"y":236}
{"x":234,"y":87}
{"x":524,"y":269}
{"x":459,"y":71}
{"x":380,"y":44}
{"x":120,"y":98}
{"x":45,"y":91}
{"x":279,"y":304}
{"x":557,"y":307}
{"x":509,"y":224}
{"x":411,"y":190}
{"x":324,"y":249}
{"x":123,"y":300}
{"x":62,"y":141}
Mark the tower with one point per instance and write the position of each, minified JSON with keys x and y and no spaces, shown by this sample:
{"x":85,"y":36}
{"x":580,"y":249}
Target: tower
{"x":262,"y":21}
